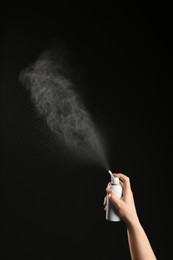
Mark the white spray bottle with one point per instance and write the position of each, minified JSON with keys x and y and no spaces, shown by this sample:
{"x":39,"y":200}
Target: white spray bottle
{"x":114,"y":185}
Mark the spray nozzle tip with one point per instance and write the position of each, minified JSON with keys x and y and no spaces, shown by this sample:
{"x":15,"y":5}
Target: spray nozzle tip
{"x":110,"y":172}
{"x":112,"y":177}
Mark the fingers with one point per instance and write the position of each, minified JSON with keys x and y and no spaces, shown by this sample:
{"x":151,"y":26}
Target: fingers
{"x":105,"y":202}
{"x":125,"y":181}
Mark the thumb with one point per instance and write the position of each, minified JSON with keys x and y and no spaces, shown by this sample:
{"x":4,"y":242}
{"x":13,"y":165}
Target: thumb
{"x":113,"y":197}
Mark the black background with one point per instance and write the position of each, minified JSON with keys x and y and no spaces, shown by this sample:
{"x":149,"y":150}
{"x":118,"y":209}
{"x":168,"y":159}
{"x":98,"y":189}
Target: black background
{"x":53,"y":203}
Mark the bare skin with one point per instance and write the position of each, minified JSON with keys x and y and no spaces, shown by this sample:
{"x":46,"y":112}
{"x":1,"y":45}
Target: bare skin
{"x":139,"y":245}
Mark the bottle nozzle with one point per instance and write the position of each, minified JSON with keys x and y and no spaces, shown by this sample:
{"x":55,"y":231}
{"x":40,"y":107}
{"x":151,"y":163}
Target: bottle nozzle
{"x":110,"y":172}
{"x":114,"y":180}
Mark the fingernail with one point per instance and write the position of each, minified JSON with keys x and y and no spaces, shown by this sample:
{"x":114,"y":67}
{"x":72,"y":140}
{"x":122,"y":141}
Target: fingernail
{"x":109,"y":195}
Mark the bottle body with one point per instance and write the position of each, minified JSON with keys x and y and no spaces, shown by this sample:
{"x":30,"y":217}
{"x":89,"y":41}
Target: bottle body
{"x":111,"y":214}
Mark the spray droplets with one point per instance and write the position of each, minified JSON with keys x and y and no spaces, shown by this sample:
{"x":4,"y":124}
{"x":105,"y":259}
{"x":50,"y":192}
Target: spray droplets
{"x":56,"y":99}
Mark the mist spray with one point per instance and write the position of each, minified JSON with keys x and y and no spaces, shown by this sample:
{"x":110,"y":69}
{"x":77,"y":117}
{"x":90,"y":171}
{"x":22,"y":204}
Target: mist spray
{"x":114,"y":185}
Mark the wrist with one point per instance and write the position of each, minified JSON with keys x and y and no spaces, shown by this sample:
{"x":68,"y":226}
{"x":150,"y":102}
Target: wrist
{"x":132,"y":222}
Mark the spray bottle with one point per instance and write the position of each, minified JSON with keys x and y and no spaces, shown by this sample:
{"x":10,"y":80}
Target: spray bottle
{"x":114,"y":185}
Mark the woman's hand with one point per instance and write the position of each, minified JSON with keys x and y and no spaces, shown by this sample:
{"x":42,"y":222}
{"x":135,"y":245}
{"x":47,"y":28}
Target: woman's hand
{"x":125,"y":205}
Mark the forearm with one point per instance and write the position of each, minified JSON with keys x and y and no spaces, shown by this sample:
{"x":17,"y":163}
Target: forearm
{"x":139,"y":244}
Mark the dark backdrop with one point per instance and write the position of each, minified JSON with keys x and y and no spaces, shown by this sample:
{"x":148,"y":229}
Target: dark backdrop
{"x":53,"y":203}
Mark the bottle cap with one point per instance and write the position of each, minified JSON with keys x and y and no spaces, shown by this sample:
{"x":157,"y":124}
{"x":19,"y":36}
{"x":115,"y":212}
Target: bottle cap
{"x":115,"y":180}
